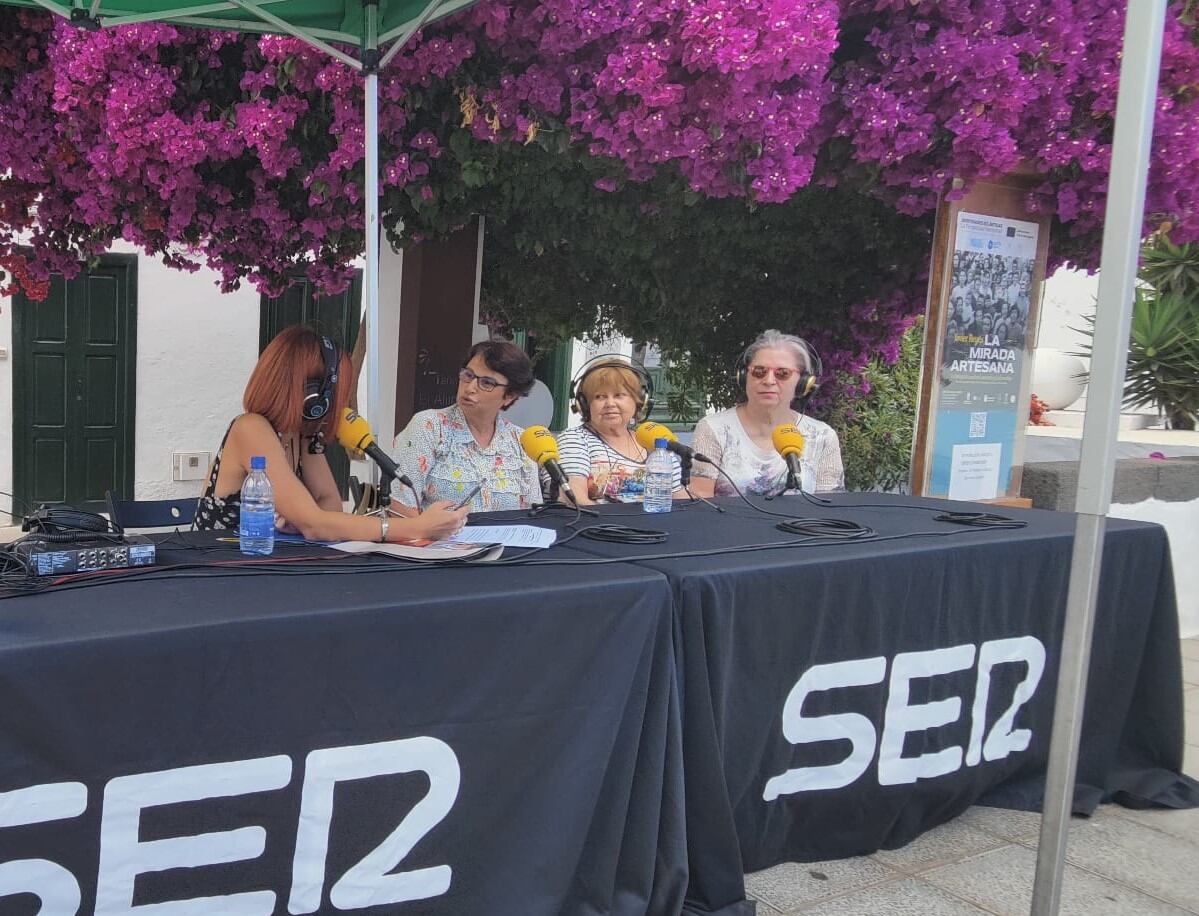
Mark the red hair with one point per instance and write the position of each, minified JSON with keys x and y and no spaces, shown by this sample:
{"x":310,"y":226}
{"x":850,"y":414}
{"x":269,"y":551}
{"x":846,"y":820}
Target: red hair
{"x":276,"y":386}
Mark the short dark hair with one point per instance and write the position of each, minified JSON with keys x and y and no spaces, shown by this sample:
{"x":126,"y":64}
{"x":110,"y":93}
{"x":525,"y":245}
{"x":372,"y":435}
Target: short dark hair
{"x":507,"y":359}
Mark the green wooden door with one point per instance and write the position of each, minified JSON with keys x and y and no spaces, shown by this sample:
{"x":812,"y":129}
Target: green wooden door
{"x":336,"y":316}
{"x":74,"y":364}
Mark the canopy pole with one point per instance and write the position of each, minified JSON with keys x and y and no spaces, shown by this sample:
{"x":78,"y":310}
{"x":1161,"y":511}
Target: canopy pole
{"x":370,"y":65}
{"x":1124,"y":216}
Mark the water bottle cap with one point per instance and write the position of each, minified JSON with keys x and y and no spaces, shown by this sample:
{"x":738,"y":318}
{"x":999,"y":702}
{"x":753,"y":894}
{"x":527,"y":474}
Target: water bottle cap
{"x":258,"y":463}
{"x":660,"y":442}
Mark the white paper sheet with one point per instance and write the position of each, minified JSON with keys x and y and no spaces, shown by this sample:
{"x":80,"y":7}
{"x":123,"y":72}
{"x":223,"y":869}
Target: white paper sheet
{"x":974,"y":471}
{"x":508,"y":535}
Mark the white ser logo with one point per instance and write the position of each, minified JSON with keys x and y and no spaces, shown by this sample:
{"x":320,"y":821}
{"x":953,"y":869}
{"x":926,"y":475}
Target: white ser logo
{"x":123,"y":856}
{"x":902,"y":717}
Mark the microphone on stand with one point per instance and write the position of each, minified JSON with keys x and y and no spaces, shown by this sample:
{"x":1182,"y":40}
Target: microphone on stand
{"x":540,"y":445}
{"x":647,"y":433}
{"x":354,"y":433}
{"x":789,"y":442}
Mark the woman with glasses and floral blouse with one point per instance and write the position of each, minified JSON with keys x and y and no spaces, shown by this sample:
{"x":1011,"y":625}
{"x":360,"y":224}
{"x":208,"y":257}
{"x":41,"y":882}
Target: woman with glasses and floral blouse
{"x":778,"y":372}
{"x":446,"y":452}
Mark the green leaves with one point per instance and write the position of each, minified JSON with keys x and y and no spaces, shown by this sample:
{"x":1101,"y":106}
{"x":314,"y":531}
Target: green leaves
{"x":1163,"y":347}
{"x":875,"y":429}
{"x":1163,"y":356}
{"x":1168,"y":267}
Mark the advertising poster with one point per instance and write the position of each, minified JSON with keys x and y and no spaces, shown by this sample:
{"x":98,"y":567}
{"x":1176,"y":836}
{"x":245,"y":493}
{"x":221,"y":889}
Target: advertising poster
{"x":983,"y":356}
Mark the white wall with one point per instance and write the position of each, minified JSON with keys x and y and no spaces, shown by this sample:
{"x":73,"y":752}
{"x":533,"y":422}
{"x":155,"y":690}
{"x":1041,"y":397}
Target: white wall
{"x":1069,"y":296}
{"x":6,"y":406}
{"x":1181,"y":521}
{"x":195,"y":350}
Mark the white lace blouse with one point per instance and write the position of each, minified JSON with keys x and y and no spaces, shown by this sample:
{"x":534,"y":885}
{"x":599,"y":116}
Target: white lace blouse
{"x":722,"y":438}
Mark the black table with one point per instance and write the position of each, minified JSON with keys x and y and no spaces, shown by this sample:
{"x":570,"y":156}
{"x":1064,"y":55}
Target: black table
{"x":553,"y":683}
{"x":505,"y":743}
{"x":806,"y":672}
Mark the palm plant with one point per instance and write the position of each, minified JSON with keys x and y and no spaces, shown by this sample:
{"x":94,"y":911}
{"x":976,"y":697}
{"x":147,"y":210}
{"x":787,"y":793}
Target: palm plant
{"x":1163,"y":347}
{"x":1163,"y":356}
{"x":1168,"y":267}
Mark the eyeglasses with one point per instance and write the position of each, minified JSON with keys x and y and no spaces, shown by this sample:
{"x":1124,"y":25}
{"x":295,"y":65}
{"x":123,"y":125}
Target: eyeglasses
{"x":486,"y":382}
{"x":781,"y":374}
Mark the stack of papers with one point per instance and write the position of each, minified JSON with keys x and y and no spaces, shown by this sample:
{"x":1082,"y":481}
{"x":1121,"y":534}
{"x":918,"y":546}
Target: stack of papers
{"x":425,"y":550}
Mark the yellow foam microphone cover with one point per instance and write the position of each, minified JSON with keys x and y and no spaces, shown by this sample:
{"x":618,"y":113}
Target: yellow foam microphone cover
{"x":539,"y":444}
{"x":787,"y":440}
{"x":648,"y":433}
{"x":353,"y":431}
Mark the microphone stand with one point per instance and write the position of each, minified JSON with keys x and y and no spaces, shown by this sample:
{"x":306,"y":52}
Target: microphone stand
{"x":555,"y":503}
{"x":792,"y":483}
{"x":383,"y":497}
{"x":685,"y":482}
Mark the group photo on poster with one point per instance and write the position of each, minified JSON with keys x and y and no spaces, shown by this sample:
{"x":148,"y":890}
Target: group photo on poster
{"x":987,"y":320}
{"x":990,"y":296}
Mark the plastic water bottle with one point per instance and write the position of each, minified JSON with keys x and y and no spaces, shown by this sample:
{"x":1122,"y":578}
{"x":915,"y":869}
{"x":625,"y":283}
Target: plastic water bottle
{"x":257,"y":531}
{"x":659,"y":479}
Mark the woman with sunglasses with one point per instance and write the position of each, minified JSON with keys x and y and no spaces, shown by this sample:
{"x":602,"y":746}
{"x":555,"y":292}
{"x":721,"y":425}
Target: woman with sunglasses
{"x":448,"y":452}
{"x":740,"y":439}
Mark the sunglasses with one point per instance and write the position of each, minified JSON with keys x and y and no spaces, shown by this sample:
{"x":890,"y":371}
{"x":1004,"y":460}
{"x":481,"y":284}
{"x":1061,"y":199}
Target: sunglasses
{"x":781,"y":374}
{"x":486,"y":382}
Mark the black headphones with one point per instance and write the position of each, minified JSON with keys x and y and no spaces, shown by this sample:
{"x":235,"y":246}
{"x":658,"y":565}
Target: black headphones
{"x":66,"y":523}
{"x":318,"y":392}
{"x":808,"y":381}
{"x":578,"y":403}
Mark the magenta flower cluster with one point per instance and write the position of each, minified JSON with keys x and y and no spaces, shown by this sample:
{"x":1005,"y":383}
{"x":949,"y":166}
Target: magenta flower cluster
{"x":246,"y":153}
{"x":967,"y":89}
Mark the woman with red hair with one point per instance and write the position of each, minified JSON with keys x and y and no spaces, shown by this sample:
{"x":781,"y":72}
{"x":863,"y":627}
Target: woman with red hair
{"x":293,"y":401}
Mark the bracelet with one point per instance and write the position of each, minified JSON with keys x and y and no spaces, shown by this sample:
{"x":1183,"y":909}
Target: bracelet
{"x":386,"y":523}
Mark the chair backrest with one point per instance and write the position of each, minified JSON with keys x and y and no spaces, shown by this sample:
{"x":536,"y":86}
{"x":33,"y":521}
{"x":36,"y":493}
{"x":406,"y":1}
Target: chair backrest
{"x":150,"y":513}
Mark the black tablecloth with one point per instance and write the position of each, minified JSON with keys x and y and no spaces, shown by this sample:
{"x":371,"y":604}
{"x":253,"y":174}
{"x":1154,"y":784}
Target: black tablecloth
{"x":550,"y":699}
{"x":938,"y":596}
{"x":553,"y":686}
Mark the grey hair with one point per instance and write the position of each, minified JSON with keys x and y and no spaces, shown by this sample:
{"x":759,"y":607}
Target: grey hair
{"x":774,"y":339}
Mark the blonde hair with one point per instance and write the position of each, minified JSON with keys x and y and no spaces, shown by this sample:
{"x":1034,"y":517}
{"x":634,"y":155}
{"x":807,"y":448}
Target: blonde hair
{"x":612,"y":378}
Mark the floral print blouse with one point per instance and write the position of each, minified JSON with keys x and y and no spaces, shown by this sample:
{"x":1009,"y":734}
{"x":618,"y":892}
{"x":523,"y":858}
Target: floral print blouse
{"x":440,"y":455}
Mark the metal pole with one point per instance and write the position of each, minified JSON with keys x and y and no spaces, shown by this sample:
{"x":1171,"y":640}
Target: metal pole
{"x":371,"y":190}
{"x":1124,"y":216}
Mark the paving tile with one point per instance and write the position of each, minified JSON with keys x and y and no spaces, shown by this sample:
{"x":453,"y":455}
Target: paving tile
{"x":1190,"y":760}
{"x":1190,"y":648}
{"x":947,"y":843}
{"x":1001,"y":880}
{"x":791,"y":885}
{"x":1004,"y":823}
{"x":907,"y":897}
{"x":1190,"y":671}
{"x":1183,"y":824}
{"x":1191,"y":723}
{"x":763,"y":908}
{"x":1190,"y":699}
{"x":1138,"y":856}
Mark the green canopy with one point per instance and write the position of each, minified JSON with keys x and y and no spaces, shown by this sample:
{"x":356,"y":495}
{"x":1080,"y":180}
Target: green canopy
{"x":317,"y":22}
{"x":379,"y":28}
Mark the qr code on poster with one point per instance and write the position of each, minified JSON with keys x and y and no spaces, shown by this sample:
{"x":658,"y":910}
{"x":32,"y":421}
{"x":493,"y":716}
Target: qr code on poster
{"x":978,"y":425}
